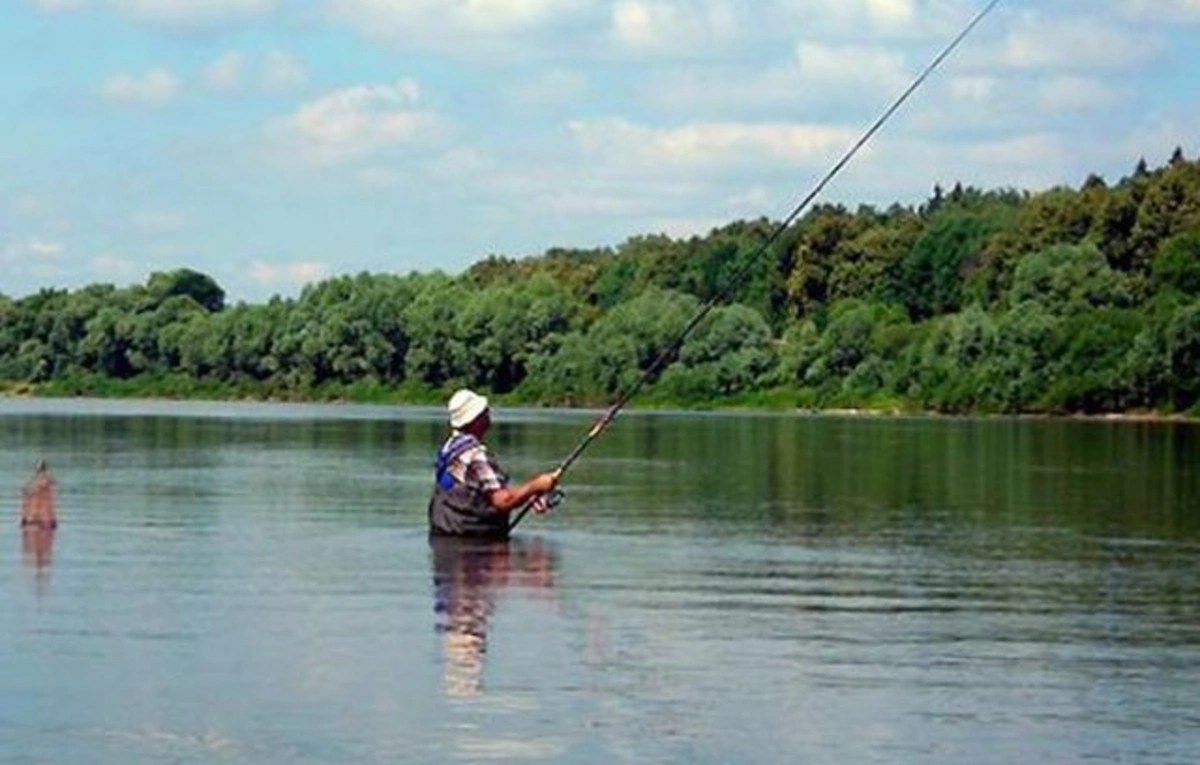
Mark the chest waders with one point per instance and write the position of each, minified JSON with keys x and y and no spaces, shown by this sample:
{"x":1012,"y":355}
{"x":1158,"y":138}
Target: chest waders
{"x":459,"y":510}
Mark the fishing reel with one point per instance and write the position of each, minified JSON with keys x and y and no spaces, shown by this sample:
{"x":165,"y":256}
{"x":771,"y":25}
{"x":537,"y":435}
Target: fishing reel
{"x":554,"y":498}
{"x":544,"y":503}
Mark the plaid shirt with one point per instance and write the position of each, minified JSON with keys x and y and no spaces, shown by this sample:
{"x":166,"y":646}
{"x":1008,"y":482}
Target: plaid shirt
{"x":475,"y":467}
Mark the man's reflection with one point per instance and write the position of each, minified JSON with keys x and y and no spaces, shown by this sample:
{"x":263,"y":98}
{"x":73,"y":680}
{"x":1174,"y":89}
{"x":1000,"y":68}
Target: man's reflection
{"x":468,"y":576}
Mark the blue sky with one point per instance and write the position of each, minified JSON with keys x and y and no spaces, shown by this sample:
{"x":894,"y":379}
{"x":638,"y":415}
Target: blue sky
{"x":271,"y":143}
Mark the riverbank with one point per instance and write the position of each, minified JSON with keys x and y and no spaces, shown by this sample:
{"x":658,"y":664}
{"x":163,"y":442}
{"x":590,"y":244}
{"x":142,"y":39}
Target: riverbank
{"x":778,"y":400}
{"x":1134,"y":416}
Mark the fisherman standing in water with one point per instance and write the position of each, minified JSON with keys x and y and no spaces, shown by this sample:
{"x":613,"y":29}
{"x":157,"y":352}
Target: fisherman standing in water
{"x":472,"y":496}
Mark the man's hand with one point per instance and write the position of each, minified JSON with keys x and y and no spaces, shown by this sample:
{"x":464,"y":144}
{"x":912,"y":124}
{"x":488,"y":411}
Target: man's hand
{"x":508,"y":499}
{"x":544,"y":483}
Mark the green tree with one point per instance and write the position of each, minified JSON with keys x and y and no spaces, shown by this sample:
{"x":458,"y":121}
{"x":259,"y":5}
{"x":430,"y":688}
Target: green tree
{"x":1069,"y":278}
{"x":800,"y":348}
{"x":184,"y":281}
{"x":1183,"y":356}
{"x":432,"y":322}
{"x":1089,"y":359}
{"x":105,"y":347}
{"x":931,"y":276}
{"x":1170,"y":205}
{"x":866,"y":263}
{"x":730,"y":352}
{"x":817,"y":238}
{"x":1177,"y":265}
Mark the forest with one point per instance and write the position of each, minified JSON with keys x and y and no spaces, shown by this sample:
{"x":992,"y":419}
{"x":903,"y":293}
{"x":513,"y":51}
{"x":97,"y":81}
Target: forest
{"x":1062,"y":301}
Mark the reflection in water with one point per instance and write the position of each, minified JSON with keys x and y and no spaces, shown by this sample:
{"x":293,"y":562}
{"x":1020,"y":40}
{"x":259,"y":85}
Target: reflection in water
{"x":468,"y":576}
{"x":37,"y":543}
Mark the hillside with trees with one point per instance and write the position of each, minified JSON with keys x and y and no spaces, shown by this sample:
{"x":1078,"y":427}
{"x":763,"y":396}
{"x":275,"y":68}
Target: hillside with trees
{"x":1062,"y":301}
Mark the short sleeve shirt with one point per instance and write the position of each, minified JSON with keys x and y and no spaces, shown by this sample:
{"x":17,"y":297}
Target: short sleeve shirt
{"x":477,"y":469}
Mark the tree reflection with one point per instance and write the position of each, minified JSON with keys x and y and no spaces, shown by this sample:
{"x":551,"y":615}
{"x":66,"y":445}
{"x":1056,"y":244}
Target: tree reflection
{"x":468,"y":577}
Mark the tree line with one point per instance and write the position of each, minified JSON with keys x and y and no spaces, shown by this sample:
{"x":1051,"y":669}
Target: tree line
{"x":1066,"y":300}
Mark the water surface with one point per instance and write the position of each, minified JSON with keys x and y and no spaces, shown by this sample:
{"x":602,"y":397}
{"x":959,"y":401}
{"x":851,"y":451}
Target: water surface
{"x":250,"y":583}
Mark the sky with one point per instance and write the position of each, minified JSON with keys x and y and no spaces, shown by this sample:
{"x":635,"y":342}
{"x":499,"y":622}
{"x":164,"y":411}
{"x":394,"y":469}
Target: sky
{"x":274,"y":143}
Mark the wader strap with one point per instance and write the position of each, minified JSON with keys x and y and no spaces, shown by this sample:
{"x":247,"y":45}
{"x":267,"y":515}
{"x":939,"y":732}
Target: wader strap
{"x":454,"y":448}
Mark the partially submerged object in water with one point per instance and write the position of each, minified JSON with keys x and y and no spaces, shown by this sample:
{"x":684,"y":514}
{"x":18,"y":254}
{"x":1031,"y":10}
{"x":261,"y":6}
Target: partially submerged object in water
{"x":37,"y":499}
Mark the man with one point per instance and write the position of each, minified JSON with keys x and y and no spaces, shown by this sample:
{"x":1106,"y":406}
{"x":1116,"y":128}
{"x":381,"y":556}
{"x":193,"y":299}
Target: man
{"x":472,"y":496}
{"x":37,"y":499}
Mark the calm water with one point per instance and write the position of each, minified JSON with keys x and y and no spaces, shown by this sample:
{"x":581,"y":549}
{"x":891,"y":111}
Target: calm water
{"x":253,"y":584}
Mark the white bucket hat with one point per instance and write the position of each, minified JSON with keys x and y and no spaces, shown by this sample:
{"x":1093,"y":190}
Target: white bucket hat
{"x":465,"y":405}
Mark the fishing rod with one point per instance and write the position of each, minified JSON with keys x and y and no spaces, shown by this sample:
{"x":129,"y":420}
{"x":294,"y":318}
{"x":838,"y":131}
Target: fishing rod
{"x":673,"y":347}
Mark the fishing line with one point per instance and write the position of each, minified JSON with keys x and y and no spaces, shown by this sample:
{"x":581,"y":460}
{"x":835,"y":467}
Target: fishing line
{"x":671,"y":349}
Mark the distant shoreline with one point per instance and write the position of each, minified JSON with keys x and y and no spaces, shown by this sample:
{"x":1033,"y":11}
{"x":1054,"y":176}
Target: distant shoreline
{"x":32,"y":393}
{"x":1081,"y":416}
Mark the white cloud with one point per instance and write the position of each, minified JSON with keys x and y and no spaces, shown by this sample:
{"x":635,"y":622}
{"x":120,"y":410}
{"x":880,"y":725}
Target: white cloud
{"x":193,"y":13}
{"x":171,"y":12}
{"x":905,"y":167}
{"x":704,"y":145}
{"x":460,"y":162}
{"x":33,"y":255}
{"x":1016,"y":102}
{"x":683,"y":227}
{"x":153,"y":87}
{"x":891,"y":13}
{"x":1074,"y":93}
{"x":1014,"y":151}
{"x":55,"y":6}
{"x":278,"y":72}
{"x":157,"y":222}
{"x":376,"y":177}
{"x":1157,"y":136}
{"x":357,"y":122}
{"x":40,"y":248}
{"x":225,"y":73}
{"x":553,"y":87}
{"x":667,"y":25}
{"x":974,"y":88}
{"x":754,"y":200}
{"x":642,"y":24}
{"x":438,"y":23}
{"x":837,"y":66}
{"x":287,"y":274}
{"x":590,"y":201}
{"x":113,"y":267}
{"x":26,"y":205}
{"x":843,"y":79}
{"x":1038,"y":42}
{"x":1160,"y":10}
{"x":867,"y":19}
{"x":593,"y":189}
{"x":512,"y":14}
{"x":282,"y":71}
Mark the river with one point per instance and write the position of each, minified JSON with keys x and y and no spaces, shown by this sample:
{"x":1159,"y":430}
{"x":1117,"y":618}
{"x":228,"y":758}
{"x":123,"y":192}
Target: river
{"x":252,"y":583}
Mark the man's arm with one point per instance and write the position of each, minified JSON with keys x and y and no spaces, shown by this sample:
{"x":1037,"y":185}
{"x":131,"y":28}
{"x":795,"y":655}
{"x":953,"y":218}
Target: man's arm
{"x":508,"y":498}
